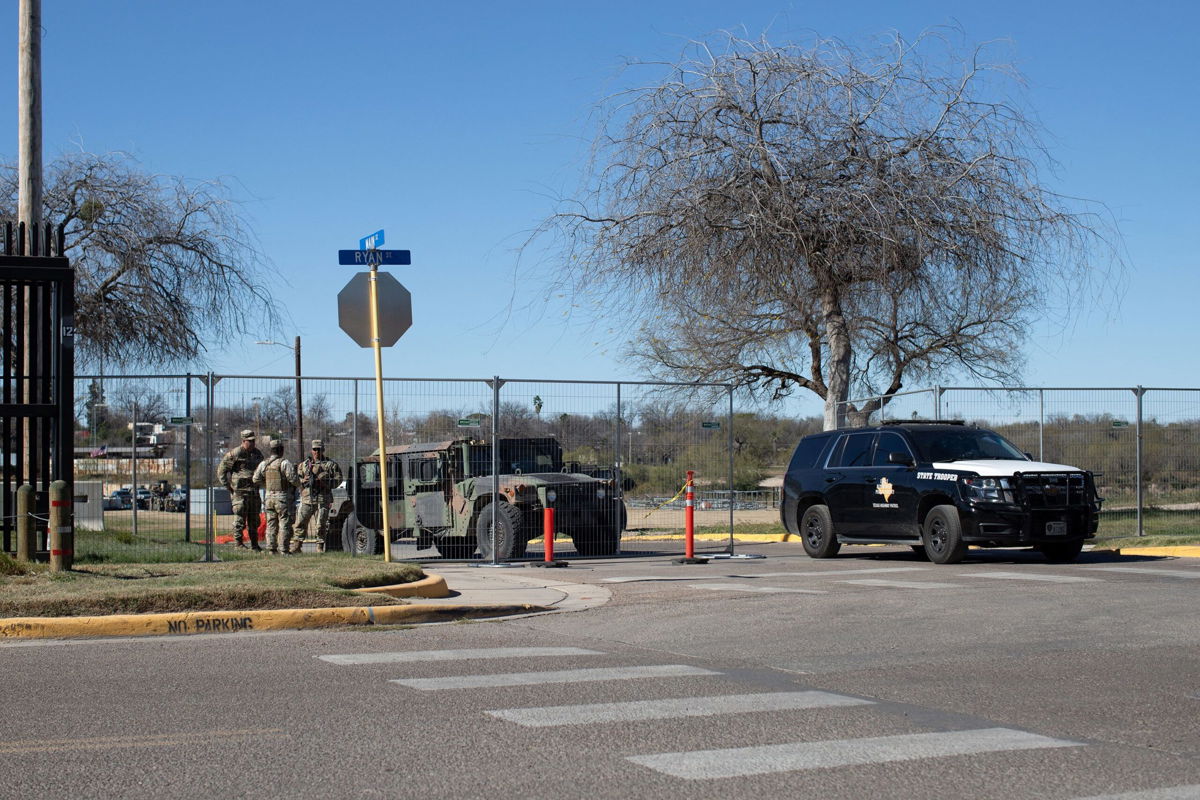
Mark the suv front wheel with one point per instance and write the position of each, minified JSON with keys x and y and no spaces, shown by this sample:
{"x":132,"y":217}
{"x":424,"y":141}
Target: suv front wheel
{"x":816,"y":533}
{"x":943,"y":535}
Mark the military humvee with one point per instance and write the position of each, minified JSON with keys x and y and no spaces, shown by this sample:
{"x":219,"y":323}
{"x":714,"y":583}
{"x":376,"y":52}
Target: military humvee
{"x":441,"y":493}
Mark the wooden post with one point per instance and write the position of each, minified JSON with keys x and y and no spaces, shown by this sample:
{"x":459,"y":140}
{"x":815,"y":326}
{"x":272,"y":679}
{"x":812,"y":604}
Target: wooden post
{"x":25,"y":543}
{"x":61,"y":533}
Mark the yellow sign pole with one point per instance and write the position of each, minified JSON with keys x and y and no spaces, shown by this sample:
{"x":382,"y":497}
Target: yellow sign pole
{"x":383,"y":472}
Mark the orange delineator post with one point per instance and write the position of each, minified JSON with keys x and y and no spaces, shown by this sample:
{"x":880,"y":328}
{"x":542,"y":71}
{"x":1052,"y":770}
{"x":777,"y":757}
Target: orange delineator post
{"x":548,"y":533}
{"x":689,"y":518}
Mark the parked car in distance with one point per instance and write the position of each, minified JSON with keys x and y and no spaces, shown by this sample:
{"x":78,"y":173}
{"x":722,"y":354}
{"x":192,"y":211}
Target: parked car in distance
{"x":177,"y":500}
{"x":143,"y":497}
{"x":119,"y":500}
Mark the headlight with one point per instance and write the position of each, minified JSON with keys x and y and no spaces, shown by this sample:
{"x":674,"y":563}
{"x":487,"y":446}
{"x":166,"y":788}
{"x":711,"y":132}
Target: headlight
{"x":551,"y":495}
{"x":995,"y":490}
{"x":601,"y":493}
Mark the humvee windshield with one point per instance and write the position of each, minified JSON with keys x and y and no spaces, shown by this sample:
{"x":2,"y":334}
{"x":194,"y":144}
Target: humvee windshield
{"x":963,"y":444}
{"x":517,"y":457}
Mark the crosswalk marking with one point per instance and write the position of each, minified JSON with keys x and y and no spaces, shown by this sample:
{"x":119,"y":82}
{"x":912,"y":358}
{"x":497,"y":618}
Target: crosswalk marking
{"x":563,"y":676}
{"x":1166,"y":793}
{"x":743,"y":761}
{"x":456,"y":655}
{"x":673,"y":708}
{"x":830,"y":573}
{"x":903,"y":584}
{"x":1174,"y":573}
{"x":750,"y":587}
{"x":1027,"y":576}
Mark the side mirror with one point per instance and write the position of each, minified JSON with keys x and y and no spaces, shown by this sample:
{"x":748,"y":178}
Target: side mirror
{"x":900,"y":458}
{"x":1029,"y":456}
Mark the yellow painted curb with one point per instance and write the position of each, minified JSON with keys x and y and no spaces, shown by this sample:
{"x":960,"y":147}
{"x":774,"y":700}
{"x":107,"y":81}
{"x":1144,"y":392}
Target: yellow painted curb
{"x":1177,"y":551}
{"x":189,"y":623}
{"x":429,"y":586}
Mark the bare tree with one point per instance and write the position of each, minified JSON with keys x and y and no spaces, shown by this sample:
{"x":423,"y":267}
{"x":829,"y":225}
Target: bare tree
{"x":825,"y":218}
{"x":164,"y":268}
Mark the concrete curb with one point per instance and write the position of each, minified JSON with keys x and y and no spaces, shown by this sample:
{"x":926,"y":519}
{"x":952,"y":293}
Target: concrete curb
{"x":190,"y":623}
{"x":429,"y":586}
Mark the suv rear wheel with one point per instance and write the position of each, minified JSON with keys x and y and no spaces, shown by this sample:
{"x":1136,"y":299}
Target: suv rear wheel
{"x":942,"y":532}
{"x":816,"y":533}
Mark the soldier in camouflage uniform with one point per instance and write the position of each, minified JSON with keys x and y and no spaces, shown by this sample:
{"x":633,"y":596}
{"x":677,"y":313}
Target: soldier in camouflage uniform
{"x":279,"y":477}
{"x":318,"y":478}
{"x":236,"y":473}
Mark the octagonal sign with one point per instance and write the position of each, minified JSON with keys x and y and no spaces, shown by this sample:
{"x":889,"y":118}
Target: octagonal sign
{"x":354,"y":309}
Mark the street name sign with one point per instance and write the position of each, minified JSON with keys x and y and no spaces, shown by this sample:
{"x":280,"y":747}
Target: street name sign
{"x":354,"y":308}
{"x":469,"y":423}
{"x":711,"y":425}
{"x":372,"y":242}
{"x":367,"y":258}
{"x":182,"y":420}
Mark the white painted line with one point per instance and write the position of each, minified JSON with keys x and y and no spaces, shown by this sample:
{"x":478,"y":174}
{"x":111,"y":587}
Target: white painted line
{"x":903,"y":584}
{"x":1026,"y":576}
{"x":592,"y":713}
{"x":1173,"y":573}
{"x":832,"y":572}
{"x":742,"y":761}
{"x":750,"y":587}
{"x":564,"y":676}
{"x":1166,"y":793}
{"x":457,"y":655}
{"x":633,"y":578}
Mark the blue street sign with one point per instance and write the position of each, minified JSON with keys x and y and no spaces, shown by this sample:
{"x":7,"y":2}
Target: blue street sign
{"x":372,"y":242}
{"x":360,"y":258}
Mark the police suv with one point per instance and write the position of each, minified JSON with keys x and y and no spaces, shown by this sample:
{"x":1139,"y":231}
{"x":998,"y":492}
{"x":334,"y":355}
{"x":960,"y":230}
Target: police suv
{"x":937,"y":486}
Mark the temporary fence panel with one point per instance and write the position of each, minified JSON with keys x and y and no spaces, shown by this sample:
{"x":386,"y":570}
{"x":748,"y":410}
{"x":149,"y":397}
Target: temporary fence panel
{"x":163,"y":500}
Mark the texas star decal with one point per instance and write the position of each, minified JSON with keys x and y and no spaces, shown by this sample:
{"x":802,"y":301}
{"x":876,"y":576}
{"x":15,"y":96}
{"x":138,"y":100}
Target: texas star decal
{"x":885,"y":488}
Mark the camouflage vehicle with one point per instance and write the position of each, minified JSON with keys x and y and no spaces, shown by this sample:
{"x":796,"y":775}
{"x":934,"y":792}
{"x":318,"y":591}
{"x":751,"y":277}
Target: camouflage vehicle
{"x":441,"y":494}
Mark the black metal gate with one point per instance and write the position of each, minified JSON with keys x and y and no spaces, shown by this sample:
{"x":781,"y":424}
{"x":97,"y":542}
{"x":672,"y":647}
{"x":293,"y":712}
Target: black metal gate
{"x":37,"y":285}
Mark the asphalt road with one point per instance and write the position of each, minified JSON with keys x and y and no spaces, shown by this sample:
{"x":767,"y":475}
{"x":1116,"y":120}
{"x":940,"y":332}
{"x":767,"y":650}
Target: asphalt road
{"x":872,"y":675}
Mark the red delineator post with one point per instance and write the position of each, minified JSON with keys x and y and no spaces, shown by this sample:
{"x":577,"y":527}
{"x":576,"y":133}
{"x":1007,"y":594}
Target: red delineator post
{"x":548,"y":541}
{"x":689,"y":524}
{"x":689,"y":518}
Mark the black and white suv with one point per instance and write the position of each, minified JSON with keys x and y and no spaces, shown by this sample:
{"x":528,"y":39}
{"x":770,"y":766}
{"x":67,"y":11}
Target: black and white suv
{"x":937,"y":487}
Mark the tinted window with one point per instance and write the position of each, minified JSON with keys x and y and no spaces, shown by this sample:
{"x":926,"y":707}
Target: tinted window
{"x":856,"y":452}
{"x":807,"y":452}
{"x":889,"y":443}
{"x":964,"y":443}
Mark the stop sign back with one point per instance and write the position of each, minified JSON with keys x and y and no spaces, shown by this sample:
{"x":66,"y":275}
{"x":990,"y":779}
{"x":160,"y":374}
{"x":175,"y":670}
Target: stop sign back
{"x":354,"y":309}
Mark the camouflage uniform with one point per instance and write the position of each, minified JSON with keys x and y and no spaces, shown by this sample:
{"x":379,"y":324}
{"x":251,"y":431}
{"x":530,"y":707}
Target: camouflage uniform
{"x":236,"y":473}
{"x":318,"y":478}
{"x":279,"y":478}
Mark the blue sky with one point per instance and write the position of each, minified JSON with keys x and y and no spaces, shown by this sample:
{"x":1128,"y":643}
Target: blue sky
{"x":454,"y":126}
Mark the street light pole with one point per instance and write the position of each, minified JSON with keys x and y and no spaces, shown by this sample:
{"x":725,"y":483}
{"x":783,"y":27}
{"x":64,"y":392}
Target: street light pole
{"x":299,"y":399}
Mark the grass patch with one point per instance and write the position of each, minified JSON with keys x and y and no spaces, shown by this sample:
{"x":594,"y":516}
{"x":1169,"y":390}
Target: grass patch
{"x":300,"y":581}
{"x":1162,"y":528}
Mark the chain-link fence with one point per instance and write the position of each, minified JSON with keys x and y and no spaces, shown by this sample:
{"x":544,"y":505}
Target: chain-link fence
{"x":1143,"y":443}
{"x":148,"y":450}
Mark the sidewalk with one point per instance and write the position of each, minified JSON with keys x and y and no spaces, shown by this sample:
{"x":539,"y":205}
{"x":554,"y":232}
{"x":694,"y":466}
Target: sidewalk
{"x":471,"y":593}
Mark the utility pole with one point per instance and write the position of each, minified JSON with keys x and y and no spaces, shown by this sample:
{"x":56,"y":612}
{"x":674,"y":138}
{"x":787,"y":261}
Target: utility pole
{"x":29,"y":78}
{"x":29,"y":188}
{"x":302,"y":446}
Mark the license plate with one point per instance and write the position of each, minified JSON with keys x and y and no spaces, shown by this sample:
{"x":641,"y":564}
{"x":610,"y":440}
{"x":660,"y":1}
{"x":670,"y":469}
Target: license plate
{"x":1056,"y":529}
